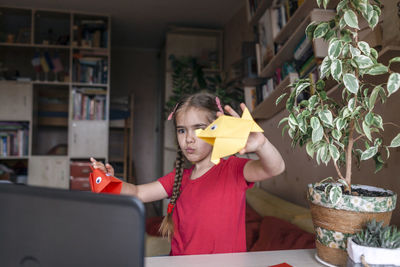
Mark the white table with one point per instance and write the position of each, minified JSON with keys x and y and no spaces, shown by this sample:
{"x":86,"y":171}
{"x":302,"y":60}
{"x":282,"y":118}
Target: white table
{"x":297,"y":258}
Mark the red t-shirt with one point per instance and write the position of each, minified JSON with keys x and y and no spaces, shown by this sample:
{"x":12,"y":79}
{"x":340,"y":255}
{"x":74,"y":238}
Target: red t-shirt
{"x":209,"y":216}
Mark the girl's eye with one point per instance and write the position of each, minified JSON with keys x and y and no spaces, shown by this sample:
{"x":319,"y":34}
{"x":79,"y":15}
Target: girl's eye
{"x":98,"y":180}
{"x":180,"y":131}
{"x":213,"y":127}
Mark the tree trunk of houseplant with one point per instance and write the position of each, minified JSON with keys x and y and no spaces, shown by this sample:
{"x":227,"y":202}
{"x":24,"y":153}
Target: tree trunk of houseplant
{"x":335,"y":222}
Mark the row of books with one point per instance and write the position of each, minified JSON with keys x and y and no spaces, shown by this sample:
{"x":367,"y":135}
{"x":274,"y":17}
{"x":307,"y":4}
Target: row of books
{"x":14,"y":139}
{"x":91,"y":33}
{"x":89,"y":103}
{"x":87,"y":69}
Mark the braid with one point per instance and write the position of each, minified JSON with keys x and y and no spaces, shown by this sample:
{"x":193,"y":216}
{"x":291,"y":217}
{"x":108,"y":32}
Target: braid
{"x":167,"y":225}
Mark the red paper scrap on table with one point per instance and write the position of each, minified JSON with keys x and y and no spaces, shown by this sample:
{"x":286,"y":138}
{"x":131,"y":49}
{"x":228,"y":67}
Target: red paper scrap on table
{"x":101,"y":182}
{"x":281,"y":265}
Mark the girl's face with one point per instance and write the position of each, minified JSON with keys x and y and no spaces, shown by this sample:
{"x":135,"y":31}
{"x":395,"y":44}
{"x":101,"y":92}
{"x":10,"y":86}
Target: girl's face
{"x":187,"y":121}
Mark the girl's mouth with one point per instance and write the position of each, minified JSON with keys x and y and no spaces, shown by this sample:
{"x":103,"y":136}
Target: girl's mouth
{"x":189,"y":150}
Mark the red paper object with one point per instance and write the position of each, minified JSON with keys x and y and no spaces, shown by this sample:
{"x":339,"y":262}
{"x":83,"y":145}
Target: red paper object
{"x":104,"y":183}
{"x":282,"y":265}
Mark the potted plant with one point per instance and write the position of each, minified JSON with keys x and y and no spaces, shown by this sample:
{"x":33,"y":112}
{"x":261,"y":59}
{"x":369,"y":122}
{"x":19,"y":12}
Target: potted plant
{"x":343,"y":129}
{"x":375,"y":244}
{"x":188,"y":77}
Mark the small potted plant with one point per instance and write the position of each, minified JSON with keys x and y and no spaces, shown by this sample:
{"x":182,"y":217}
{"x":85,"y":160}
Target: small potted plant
{"x":375,"y":244}
{"x":344,"y":129}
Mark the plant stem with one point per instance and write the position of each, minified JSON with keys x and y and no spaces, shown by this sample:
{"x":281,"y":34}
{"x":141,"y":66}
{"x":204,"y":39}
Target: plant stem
{"x":334,"y":162}
{"x":349,"y":155}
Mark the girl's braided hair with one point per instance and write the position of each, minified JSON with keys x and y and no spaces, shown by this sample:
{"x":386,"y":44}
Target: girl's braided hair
{"x":202,"y":101}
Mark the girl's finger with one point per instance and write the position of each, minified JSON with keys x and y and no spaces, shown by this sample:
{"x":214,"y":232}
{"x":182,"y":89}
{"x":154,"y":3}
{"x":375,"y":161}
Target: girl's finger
{"x":231,"y":111}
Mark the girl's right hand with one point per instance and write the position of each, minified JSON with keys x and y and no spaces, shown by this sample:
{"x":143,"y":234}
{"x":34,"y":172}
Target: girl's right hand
{"x":105,"y":168}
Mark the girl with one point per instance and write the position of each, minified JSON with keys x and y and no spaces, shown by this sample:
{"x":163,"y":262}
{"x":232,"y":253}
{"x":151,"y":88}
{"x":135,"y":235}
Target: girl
{"x":206,"y":213}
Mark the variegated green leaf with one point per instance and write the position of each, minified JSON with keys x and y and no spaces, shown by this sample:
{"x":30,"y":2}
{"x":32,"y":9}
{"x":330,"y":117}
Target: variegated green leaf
{"x":351,"y":83}
{"x":378,"y":69}
{"x":326,"y":117}
{"x":363,"y":61}
{"x":336,"y":134}
{"x":292,"y":119}
{"x":378,"y":122}
{"x":325,"y":67}
{"x":351,"y":19}
{"x":310,"y":149}
{"x":314,"y":122}
{"x":279,"y":99}
{"x":354,"y":51}
{"x":396,"y":141}
{"x":317,"y":134}
{"x":336,"y":69}
{"x":301,"y":86}
{"x":335,"y":194}
{"x":334,"y":152}
{"x":282,"y":121}
{"x":369,"y":119}
{"x":340,"y":123}
{"x":326,"y":3}
{"x":395,"y":59}
{"x":367,"y":130}
{"x":321,"y":30}
{"x":393,"y":83}
{"x":373,"y":21}
{"x":364,"y":47}
{"x":335,"y":49}
{"x":369,"y":153}
{"x":319,"y":2}
{"x":341,"y":5}
{"x":352,"y":103}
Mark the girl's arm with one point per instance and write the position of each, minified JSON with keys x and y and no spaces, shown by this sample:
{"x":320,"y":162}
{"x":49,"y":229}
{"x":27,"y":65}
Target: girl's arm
{"x":146,"y":192}
{"x":270,"y":162}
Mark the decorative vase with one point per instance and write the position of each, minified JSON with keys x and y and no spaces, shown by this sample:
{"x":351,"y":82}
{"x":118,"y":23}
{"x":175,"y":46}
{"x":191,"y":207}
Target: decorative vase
{"x":372,"y":256}
{"x":335,"y":222}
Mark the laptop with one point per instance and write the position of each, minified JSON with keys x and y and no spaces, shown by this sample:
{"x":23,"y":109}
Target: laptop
{"x":54,"y":227}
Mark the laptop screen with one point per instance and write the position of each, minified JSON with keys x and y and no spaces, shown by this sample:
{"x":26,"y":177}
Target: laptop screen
{"x":53,"y":227}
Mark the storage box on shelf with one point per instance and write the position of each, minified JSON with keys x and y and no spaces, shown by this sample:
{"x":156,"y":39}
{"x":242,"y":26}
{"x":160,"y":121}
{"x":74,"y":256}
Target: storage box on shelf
{"x":63,"y":59}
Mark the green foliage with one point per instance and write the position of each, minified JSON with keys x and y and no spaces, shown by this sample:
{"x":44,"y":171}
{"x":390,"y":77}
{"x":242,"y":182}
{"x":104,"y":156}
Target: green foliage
{"x":376,"y":235}
{"x":337,"y":130}
{"x":188,"y":78}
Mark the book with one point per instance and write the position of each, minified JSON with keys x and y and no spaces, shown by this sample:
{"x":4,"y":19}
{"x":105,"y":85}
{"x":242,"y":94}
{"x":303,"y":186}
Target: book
{"x":250,"y":97}
{"x":302,"y":47}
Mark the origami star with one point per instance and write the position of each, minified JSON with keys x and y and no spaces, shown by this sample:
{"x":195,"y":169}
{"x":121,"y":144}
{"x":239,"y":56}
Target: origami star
{"x":101,"y":182}
{"x":228,"y":134}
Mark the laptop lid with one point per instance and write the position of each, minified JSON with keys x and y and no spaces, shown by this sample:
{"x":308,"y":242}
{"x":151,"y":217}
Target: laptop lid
{"x":53,"y":227}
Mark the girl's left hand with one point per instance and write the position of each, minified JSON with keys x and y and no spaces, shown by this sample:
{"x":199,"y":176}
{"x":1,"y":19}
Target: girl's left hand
{"x":255,"y":141}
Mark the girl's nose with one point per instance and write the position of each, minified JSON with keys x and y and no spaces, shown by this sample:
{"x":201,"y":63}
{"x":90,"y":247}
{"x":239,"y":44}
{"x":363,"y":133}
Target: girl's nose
{"x":190,"y":137}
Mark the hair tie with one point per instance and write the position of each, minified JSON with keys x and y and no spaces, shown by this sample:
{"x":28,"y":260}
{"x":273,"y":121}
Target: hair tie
{"x":170,"y":208}
{"x":219,"y":104}
{"x":172,"y":112}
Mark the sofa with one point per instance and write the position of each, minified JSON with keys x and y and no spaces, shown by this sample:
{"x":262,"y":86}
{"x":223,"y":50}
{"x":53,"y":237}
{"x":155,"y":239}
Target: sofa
{"x":271,"y":224}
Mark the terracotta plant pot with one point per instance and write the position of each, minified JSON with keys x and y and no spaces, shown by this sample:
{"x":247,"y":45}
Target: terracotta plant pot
{"x":334,"y":223}
{"x":372,"y":255}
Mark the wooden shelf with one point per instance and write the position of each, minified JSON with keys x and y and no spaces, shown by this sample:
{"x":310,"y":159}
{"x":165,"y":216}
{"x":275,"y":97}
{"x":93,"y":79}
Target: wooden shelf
{"x":267,"y":108}
{"x":260,"y":11}
{"x":90,"y":84}
{"x":35,"y":45}
{"x":13,"y":157}
{"x":51,"y":83}
{"x":290,"y":36}
{"x":388,"y":53}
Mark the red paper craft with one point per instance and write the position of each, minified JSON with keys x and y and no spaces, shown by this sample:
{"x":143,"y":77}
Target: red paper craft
{"x":281,"y":265}
{"x":104,"y":183}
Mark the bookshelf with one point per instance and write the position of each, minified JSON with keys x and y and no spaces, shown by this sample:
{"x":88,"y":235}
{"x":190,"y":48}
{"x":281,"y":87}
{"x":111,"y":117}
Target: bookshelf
{"x":255,"y":9}
{"x":279,"y":46}
{"x":55,"y":82}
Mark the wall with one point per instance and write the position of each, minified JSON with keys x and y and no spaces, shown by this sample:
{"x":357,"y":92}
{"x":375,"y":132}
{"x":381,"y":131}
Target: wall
{"x":137,"y":71}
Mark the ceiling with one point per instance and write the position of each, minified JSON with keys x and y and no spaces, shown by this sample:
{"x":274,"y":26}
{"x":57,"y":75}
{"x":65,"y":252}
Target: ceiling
{"x":143,"y":23}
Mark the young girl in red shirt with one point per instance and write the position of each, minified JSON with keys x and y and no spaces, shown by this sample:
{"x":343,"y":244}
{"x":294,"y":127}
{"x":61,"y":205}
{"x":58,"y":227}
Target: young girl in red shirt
{"x":206,"y":213}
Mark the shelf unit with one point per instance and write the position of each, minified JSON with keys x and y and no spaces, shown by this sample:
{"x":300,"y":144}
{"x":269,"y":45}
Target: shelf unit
{"x":259,"y":11}
{"x":52,"y":54}
{"x":188,"y":42}
{"x":287,"y":39}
